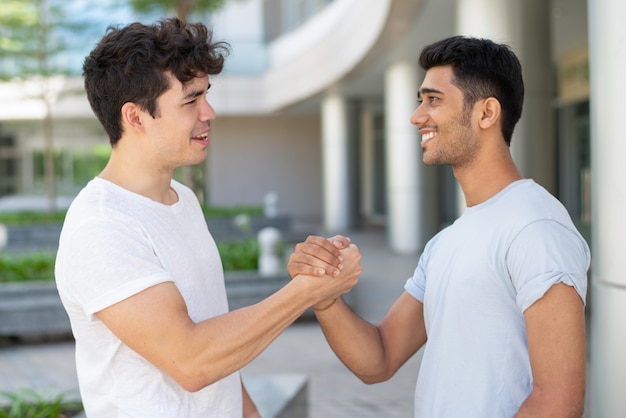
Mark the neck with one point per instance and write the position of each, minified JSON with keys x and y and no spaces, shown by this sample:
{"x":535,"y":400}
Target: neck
{"x":485,"y":178}
{"x":137,"y":178}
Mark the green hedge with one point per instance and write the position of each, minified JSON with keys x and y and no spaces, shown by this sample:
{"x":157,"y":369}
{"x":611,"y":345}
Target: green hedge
{"x":26,"y":268}
{"x":28,"y":218}
{"x":236,"y":255}
{"x":239,"y":255}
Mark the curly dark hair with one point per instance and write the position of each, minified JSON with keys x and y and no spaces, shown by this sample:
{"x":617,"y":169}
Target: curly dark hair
{"x":482,"y":68}
{"x":130,"y":64}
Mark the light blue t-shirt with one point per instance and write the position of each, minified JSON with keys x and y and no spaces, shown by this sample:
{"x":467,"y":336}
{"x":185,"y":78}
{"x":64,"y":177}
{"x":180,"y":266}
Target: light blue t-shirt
{"x":476,"y":278}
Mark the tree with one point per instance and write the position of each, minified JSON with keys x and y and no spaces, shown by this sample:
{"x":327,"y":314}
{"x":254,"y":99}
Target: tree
{"x":183,"y":8}
{"x":33,"y":37}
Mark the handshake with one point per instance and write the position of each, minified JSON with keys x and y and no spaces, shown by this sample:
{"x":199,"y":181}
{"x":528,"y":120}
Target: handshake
{"x":329,"y":267}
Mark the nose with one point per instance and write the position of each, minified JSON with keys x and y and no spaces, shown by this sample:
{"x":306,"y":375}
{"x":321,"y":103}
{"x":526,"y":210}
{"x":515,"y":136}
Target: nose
{"x":419,"y":117}
{"x":207,"y":112}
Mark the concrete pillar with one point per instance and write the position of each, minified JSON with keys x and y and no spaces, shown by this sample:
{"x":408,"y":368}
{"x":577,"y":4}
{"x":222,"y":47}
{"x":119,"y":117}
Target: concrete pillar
{"x":336,"y":170}
{"x":404,"y":160}
{"x":367,"y":168}
{"x":525,"y":26}
{"x":607,"y":38}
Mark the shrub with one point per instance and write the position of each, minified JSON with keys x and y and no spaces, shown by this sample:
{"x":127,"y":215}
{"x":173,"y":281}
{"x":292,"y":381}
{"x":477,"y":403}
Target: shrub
{"x":27,"y":267}
{"x":28,"y":218}
{"x":235,"y":255}
{"x":239,"y":255}
{"x":26,"y":403}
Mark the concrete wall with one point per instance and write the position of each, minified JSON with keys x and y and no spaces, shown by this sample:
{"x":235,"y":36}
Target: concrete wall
{"x":250,"y":156}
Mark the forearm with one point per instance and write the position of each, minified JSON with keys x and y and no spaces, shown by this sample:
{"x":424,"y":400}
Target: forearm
{"x":155,"y":323}
{"x":540,"y":404}
{"x":215,"y":348}
{"x":375,"y":353}
{"x":222,"y":345}
{"x":356,"y":342}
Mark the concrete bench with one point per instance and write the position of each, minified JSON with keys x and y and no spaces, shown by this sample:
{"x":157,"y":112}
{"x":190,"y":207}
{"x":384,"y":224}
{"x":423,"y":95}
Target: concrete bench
{"x":31,"y":238}
{"x":32,"y":310}
{"x":279,"y":395}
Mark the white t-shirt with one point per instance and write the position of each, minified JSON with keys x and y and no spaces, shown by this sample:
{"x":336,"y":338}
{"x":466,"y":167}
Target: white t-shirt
{"x":476,"y":278}
{"x":115,"y":244}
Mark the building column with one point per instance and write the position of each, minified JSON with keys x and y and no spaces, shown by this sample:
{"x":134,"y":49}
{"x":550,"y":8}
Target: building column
{"x":524,"y":25}
{"x":26,"y":171}
{"x":336,"y":164}
{"x":404,"y":165}
{"x":607,"y":37}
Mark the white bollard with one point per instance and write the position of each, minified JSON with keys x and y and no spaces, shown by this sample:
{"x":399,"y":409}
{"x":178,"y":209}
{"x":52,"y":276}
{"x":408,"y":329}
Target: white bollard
{"x":269,"y":249}
{"x":271,"y":205}
{"x":4,"y":237}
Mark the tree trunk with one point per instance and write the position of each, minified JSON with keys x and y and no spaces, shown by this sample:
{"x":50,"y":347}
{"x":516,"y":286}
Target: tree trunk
{"x":183,"y":8}
{"x":49,"y":159}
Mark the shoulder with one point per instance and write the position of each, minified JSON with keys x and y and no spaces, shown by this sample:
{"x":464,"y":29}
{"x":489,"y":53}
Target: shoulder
{"x":526,"y":202}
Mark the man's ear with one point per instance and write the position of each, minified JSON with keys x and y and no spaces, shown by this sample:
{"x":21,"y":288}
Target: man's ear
{"x":491,"y":110}
{"x":132,"y":116}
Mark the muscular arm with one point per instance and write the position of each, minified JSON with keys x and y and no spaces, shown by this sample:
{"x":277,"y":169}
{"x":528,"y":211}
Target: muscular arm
{"x":556,"y":345}
{"x":156,"y":325}
{"x":375,"y":353}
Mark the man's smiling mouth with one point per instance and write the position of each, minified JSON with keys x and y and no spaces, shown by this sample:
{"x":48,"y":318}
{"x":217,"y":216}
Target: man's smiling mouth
{"x":202,"y":137}
{"x":427,"y":136}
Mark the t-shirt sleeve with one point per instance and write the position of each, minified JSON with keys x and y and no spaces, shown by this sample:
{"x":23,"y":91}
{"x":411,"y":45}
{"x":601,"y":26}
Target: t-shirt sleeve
{"x":545,"y":253}
{"x":416,"y":285}
{"x":106,"y":261}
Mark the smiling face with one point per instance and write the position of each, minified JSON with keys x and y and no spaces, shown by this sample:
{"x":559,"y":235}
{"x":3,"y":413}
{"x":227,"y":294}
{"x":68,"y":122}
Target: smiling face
{"x":448,"y":136}
{"x":179,"y":132}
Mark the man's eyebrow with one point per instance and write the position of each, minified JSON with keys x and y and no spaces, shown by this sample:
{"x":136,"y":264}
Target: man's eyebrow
{"x":425,"y":90}
{"x":195,"y":93}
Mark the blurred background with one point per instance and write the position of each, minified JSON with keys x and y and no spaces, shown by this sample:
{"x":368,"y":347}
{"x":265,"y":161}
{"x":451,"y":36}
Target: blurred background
{"x":313,"y":104}
{"x":313,"y":112}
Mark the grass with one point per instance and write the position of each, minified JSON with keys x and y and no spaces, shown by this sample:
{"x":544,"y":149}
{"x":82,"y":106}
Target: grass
{"x":27,"y":403}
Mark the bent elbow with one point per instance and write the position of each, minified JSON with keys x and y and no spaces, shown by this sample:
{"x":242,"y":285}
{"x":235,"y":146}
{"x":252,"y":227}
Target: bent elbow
{"x":373,"y":379}
{"x":195,"y":383}
{"x":191,"y":379}
{"x":370,"y":381}
{"x":191,"y":386}
{"x":191,"y":383}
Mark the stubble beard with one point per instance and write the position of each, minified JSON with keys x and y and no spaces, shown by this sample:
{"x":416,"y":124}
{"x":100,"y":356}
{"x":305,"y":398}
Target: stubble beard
{"x":460,"y":145}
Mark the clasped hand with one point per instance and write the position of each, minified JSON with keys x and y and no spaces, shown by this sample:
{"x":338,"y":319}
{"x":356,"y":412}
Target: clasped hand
{"x":334,"y":262}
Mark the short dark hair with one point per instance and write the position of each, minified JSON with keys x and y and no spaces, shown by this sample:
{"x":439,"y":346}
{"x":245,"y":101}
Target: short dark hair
{"x":482,"y":69}
{"x":129,"y":64}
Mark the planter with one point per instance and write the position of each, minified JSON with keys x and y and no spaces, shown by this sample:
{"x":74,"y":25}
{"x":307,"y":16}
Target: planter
{"x":45,"y":237}
{"x":34,"y":310}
